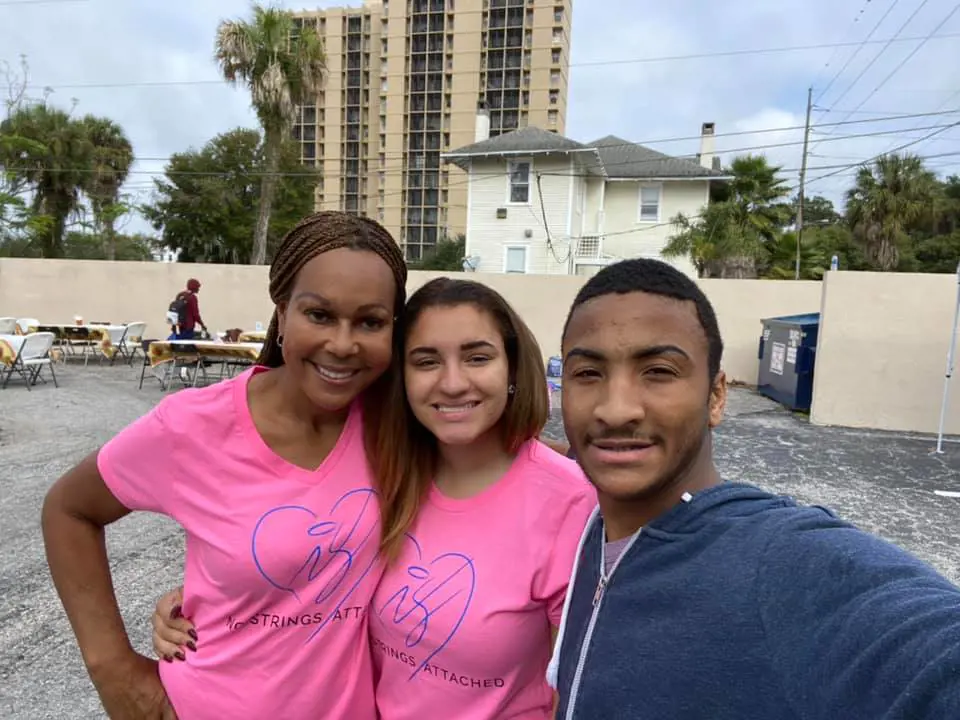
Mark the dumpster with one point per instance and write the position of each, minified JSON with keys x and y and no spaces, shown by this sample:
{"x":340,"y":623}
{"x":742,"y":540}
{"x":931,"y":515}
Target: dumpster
{"x":787,"y":353}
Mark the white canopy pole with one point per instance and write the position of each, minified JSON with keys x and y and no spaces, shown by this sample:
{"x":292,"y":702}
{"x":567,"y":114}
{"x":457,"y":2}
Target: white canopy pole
{"x":950,"y":354}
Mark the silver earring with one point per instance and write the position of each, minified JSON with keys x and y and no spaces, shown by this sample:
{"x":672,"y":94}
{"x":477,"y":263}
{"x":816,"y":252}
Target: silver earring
{"x":279,"y":340}
{"x":511,"y":389}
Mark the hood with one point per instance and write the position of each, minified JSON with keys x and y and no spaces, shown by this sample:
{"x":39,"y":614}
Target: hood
{"x":725,"y":501}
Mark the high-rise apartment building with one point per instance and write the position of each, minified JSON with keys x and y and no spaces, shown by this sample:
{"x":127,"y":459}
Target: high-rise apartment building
{"x":405,"y":81}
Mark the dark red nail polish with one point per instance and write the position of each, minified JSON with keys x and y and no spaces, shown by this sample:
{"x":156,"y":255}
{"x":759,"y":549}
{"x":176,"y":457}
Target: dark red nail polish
{"x":180,"y":655}
{"x":192,"y":633}
{"x":177,"y":612}
{"x":192,"y":647}
{"x":167,"y":658}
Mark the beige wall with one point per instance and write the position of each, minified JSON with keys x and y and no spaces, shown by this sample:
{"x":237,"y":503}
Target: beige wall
{"x":741,"y":305}
{"x":880,"y":358}
{"x":236,"y":296}
{"x":882,"y":351}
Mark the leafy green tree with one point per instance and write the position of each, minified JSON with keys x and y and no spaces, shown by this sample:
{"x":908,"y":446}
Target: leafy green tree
{"x":206,"y":206}
{"x":937,"y":254}
{"x":817,"y":211}
{"x":13,"y":208}
{"x":112,"y":156}
{"x":49,"y":157}
{"x":782,"y":258}
{"x":888,"y":199}
{"x":729,"y":237}
{"x":283,"y":67}
{"x":82,"y":246}
{"x":830,"y":240}
{"x":447,"y":256}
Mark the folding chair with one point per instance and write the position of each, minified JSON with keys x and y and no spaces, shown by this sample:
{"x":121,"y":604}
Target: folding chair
{"x":118,"y":336}
{"x":34,"y":355}
{"x":145,"y":347}
{"x":8,"y":326}
{"x":133,"y":341}
{"x":24,"y":325}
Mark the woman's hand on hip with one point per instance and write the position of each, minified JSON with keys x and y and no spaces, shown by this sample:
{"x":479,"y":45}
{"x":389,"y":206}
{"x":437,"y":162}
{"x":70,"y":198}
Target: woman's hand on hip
{"x":173,"y":634}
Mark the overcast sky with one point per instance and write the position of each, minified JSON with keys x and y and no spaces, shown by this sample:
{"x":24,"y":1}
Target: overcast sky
{"x":148,"y":65}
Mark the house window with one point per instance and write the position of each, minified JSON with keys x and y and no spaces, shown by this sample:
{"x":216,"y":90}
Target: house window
{"x":649,"y":203}
{"x":519,"y":171}
{"x":515,"y":259}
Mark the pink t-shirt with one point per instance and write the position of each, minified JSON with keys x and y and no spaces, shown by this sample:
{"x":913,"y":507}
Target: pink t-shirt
{"x":460,"y":625}
{"x":281,"y":562}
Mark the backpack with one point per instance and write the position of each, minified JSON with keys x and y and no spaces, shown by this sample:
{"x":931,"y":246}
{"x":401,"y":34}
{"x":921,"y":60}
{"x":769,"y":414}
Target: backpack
{"x":178,"y":310}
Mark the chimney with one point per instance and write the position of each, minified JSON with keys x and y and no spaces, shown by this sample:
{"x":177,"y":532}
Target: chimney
{"x":483,"y":123}
{"x":707,"y":145}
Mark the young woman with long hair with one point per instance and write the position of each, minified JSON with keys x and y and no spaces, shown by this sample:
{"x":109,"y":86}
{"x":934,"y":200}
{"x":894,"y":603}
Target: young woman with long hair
{"x":480,"y":519}
{"x":269,"y":476}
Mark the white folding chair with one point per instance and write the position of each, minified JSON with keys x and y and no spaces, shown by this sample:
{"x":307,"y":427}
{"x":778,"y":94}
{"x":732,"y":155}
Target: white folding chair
{"x":26,"y":323}
{"x":8,"y":326}
{"x":132,"y":341}
{"x":33,"y":357}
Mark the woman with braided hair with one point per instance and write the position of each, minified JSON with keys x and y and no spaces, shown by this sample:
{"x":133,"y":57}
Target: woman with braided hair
{"x":268,"y":475}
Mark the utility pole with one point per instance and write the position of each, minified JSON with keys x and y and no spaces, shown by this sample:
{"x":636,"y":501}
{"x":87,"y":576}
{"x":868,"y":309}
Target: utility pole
{"x":803,"y":177}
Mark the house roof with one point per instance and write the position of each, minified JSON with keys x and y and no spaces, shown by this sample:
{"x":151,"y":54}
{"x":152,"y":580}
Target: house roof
{"x":624,"y":159}
{"x":611,"y":156}
{"x":525,"y":140}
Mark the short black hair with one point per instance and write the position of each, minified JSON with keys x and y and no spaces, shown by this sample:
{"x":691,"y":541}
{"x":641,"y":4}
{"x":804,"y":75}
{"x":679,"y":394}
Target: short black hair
{"x":656,"y":278}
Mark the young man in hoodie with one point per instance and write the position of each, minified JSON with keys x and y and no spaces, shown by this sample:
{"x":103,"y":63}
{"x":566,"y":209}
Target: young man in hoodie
{"x":698,"y":599}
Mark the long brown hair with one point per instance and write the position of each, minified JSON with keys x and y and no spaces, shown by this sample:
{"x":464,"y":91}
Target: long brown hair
{"x":404,"y":453}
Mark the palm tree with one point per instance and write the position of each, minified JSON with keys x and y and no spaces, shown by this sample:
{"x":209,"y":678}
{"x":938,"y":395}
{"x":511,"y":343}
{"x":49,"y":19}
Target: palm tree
{"x":53,"y":164}
{"x":112,"y":158}
{"x":744,"y":216}
{"x":782,"y":257}
{"x":283,"y":67}
{"x":886,"y":200}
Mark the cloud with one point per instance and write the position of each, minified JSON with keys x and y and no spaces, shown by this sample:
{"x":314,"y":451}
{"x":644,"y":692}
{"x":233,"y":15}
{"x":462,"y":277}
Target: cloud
{"x":87,"y":43}
{"x":647,"y":102}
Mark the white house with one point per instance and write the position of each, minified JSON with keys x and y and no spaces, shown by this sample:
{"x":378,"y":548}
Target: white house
{"x":542,"y":203}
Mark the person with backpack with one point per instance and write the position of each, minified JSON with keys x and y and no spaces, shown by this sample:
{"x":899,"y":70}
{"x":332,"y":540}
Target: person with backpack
{"x":186,"y":308}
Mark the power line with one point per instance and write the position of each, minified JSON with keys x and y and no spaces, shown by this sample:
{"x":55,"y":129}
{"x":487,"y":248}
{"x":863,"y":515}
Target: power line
{"x":942,"y":105}
{"x":308,"y":173}
{"x":737,"y":133}
{"x":862,"y":44}
{"x":856,"y":19}
{"x":592,"y":63}
{"x":882,"y":50}
{"x":906,"y":59}
{"x":896,"y":149}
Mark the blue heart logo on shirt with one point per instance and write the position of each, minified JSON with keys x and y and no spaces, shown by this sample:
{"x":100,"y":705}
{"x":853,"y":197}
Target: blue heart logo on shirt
{"x":433,"y":600}
{"x":326,"y":568}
